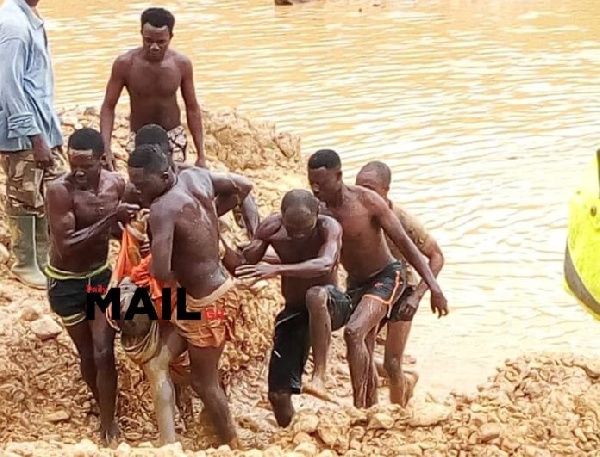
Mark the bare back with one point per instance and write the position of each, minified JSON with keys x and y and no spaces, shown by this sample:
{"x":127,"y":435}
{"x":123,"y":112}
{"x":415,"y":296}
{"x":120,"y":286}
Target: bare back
{"x":295,"y":251}
{"x":364,"y":248}
{"x":152,"y":88}
{"x":187,"y":211}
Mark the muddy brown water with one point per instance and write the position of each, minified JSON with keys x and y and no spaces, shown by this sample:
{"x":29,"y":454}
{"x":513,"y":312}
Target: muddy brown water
{"x":486,"y":110}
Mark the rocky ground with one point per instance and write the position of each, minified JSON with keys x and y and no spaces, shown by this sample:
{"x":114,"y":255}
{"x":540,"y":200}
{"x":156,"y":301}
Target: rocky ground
{"x":538,"y":405}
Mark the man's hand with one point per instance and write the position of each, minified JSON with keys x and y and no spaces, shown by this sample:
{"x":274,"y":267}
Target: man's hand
{"x":126,"y":212}
{"x":109,"y":160}
{"x":41,"y":153}
{"x":439,"y":303}
{"x":145,"y":248}
{"x":257,"y":272}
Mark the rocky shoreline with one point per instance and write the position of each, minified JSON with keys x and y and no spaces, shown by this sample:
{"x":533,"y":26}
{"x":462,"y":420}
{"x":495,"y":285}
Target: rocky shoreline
{"x":538,"y":405}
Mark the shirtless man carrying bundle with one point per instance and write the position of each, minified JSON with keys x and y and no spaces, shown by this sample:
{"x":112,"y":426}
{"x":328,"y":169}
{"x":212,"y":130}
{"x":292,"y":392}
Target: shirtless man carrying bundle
{"x":375,"y":279}
{"x":152,"y":74}
{"x":183,"y":229}
{"x":83,"y":208}
{"x":308,"y":246}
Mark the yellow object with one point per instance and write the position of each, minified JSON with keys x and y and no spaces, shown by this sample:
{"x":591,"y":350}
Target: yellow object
{"x":582,"y":256}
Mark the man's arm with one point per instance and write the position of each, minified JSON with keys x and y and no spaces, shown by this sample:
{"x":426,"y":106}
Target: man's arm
{"x":61,"y":220}
{"x":323,"y":263}
{"x":192,"y":109}
{"x":162,"y":226}
{"x":230,"y":192}
{"x":328,"y":254}
{"x":13,"y":100}
{"x":436,"y":261}
{"x":261,"y":241}
{"x":114,"y":87}
{"x":393,"y":228}
{"x":426,"y":245}
{"x":117,"y":227}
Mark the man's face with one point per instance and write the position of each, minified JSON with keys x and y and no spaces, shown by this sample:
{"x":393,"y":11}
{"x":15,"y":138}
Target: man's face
{"x":149,"y":185}
{"x":325,"y":183}
{"x":85,"y":169}
{"x":298,"y":225}
{"x":155,"y":42}
{"x":371,"y":180}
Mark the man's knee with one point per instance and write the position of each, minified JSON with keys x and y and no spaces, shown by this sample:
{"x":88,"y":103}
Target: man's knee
{"x":104,"y":357}
{"x":354,"y":334}
{"x":316,"y":298}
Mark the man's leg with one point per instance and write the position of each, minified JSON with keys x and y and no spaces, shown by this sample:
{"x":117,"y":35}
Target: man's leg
{"x":291,"y":344}
{"x":364,"y":321}
{"x":81,"y":335}
{"x":163,"y":390}
{"x":401,"y":383}
{"x":24,"y":203}
{"x":204,"y":363}
{"x":103,"y":336}
{"x":371,"y":395}
{"x":320,"y":339}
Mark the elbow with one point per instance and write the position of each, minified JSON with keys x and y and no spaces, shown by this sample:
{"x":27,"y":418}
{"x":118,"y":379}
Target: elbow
{"x":437,"y":262}
{"x":245,"y":188}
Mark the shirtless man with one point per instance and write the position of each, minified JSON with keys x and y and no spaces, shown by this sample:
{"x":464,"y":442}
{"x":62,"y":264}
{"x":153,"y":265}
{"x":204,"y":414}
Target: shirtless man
{"x":183,"y":229}
{"x":308,"y":246}
{"x":375,"y":279}
{"x":152,"y":74}
{"x":83,"y":207}
{"x":377,"y":176}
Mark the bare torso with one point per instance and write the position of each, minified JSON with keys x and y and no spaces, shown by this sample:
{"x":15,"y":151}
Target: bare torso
{"x":152,"y":88}
{"x":88,"y":207}
{"x":364,"y":247}
{"x":195,"y":260}
{"x":296,"y":251}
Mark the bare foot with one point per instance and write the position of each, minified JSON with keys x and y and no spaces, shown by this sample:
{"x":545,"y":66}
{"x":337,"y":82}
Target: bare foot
{"x":234,"y":444}
{"x":316,"y":388}
{"x":110,"y":437}
{"x":411,"y":378}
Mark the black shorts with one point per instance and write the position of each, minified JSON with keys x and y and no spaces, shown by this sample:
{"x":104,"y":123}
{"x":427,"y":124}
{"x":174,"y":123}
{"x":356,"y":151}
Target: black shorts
{"x":68,"y":297}
{"x":292,"y":340}
{"x":401,"y":312}
{"x":388,"y":286}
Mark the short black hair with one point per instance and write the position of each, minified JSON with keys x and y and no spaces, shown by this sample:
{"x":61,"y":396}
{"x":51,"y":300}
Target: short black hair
{"x":381,"y":169}
{"x":159,"y":17}
{"x":152,"y":134}
{"x":150,"y":157}
{"x":85,"y":139}
{"x":327,"y":158}
{"x":299,"y":199}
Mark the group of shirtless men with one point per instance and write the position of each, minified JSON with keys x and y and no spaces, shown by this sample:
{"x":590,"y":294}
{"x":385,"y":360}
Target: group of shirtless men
{"x":303,"y":244}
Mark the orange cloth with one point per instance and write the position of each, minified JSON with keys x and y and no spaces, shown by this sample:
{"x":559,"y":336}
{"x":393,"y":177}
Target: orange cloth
{"x":223,"y":303}
{"x":130,"y":263}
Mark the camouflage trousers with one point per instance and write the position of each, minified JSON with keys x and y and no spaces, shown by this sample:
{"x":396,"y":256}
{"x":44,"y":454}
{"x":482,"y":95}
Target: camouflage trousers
{"x":26,"y":184}
{"x":177,"y":142}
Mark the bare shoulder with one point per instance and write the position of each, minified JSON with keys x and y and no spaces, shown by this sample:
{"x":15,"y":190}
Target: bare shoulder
{"x":329,"y":224}
{"x":183,"y":61}
{"x":368,"y":198}
{"x":59,"y":191}
{"x":125,"y":60}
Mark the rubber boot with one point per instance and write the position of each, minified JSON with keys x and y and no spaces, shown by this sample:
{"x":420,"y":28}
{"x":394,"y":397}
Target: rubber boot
{"x":26,"y":269}
{"x":42,"y":241}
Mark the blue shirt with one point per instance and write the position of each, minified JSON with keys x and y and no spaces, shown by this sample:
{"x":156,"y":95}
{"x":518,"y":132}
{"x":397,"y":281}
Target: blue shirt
{"x":26,"y":80}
